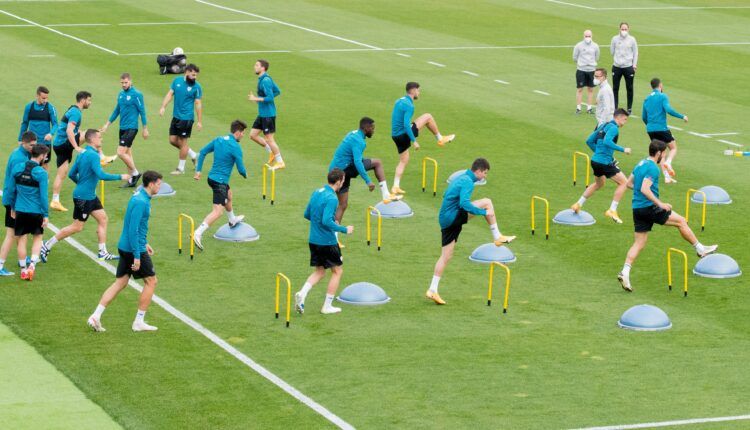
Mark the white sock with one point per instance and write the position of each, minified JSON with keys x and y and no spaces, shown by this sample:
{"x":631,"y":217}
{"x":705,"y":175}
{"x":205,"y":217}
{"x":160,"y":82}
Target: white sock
{"x":22,"y":263}
{"x":102,"y":247}
{"x":2,"y":263}
{"x":140,"y":315}
{"x":626,"y":269}
{"x":305,"y":289}
{"x":181,"y":165}
{"x":56,"y":198}
{"x":134,"y":172}
{"x":438,"y":136}
{"x":434,"y":284}
{"x":698,"y":247}
{"x":329,"y":301}
{"x":613,"y":206}
{"x":581,"y":201}
{"x":192,"y":154}
{"x":34,"y":259}
{"x":230,"y":215}
{"x":397,"y":182}
{"x":578,"y":106}
{"x":495,"y":231}
{"x":278,"y":158}
{"x":268,"y":148}
{"x":51,"y":242}
{"x":384,"y":189}
{"x":99,"y":311}
{"x":201,"y":228}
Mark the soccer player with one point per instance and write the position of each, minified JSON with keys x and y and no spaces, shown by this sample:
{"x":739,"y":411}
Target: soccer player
{"x":135,"y":256}
{"x":603,"y":141}
{"x":324,"y":250}
{"x":586,"y":56}
{"x":28,"y":200}
{"x":129,"y":107}
{"x":66,"y":142}
{"x":349,"y":158}
{"x":649,"y":210}
{"x":655,"y":109}
{"x":187,"y":93}
{"x":40,"y":117}
{"x":404,"y":132}
{"x":227,"y":154}
{"x":456,"y":210}
{"x":19,"y":156}
{"x":624,"y":50}
{"x":86,"y":173}
{"x":605,"y":98}
{"x":266,"y":119}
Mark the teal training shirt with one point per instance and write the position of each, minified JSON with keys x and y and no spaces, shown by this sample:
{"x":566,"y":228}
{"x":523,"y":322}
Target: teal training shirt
{"x":646,"y":168}
{"x":268,"y":90}
{"x":135,"y":225}
{"x":28,"y":192}
{"x":350,"y":152}
{"x":321,"y":211}
{"x":403,"y":110}
{"x":74,"y":115}
{"x":655,"y":109}
{"x":41,"y":119}
{"x":184,"y":98}
{"x":129,"y":107}
{"x":18,"y":156}
{"x":87,"y":172}
{"x":227,"y":154}
{"x":458,"y":195}
{"x":606,"y":143}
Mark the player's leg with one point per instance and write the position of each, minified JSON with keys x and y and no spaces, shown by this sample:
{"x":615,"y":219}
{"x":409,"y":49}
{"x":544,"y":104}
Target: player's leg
{"x":667,"y":164}
{"x":376,"y":165}
{"x":75,"y":227}
{"x":629,"y":76}
{"x":101,"y":233}
{"x":427,"y":120}
{"x":301,"y":295}
{"x":94,"y":321}
{"x":677,"y":220}
{"x":216,"y":211}
{"x":403,"y":161}
{"x":275,"y":155}
{"x":144,"y":300}
{"x":590,"y":103}
{"x":446,"y":254}
{"x":599,"y":182}
{"x":579,"y":98}
{"x":21,"y":249}
{"x":8,"y":241}
{"x":36,"y":246}
{"x":622,"y":186}
{"x":333,"y":285}
{"x":124,"y":153}
{"x":491,"y":219}
{"x":616,"y":77}
{"x":64,"y":157}
{"x":639,"y":242}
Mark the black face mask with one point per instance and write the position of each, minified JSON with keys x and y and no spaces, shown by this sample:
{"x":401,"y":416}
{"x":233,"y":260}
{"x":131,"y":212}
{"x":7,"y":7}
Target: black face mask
{"x":190,"y":81}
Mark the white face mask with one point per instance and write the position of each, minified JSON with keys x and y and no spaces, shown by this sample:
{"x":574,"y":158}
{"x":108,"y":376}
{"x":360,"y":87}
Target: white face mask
{"x":624,"y":33}
{"x":597,"y":81}
{"x":587,"y":40}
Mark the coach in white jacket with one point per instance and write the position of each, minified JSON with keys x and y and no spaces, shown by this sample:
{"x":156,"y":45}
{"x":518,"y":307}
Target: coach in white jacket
{"x":605,"y":99}
{"x":624,"y":51}
{"x":586,"y":56}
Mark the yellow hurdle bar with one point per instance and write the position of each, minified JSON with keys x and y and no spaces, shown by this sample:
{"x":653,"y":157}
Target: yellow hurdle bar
{"x":575,"y":166}
{"x":279,"y":277}
{"x":180,"y":218}
{"x":685,"y":267}
{"x":101,"y":192}
{"x":368,"y":215}
{"x":687,"y":207}
{"x":507,"y":285}
{"x":434,"y":176}
{"x":266,"y":168}
{"x":546,"y":215}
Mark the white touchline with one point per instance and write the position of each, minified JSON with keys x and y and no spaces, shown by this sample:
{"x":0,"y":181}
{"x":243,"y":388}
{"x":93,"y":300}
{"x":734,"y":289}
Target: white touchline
{"x":731,"y":143}
{"x":670,"y":423}
{"x":78,"y":39}
{"x":240,"y":22}
{"x":470,"y":73}
{"x":221,"y":343}
{"x":699,"y":135}
{"x":647,"y":7}
{"x":137,"y":54}
{"x":571,"y":4}
{"x":159,"y":23}
{"x":674,"y":128}
{"x":287,"y":24}
{"x":403,"y":55}
{"x":721,"y":134}
{"x":436,"y":64}
{"x":541,"y":92}
{"x":500,"y":81}
{"x":41,"y":55}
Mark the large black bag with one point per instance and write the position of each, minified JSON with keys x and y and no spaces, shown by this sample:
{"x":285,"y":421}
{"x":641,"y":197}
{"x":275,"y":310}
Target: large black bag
{"x":173,"y":64}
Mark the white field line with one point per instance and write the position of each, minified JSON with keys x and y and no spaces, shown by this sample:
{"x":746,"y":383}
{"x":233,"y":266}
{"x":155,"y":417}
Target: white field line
{"x":221,"y":343}
{"x":470,"y":73}
{"x":137,"y":54}
{"x":670,"y":423}
{"x":288,"y":24}
{"x":160,"y":23}
{"x":699,"y":135}
{"x":500,"y":81}
{"x":240,"y":22}
{"x":41,"y":55}
{"x":436,"y":64}
{"x":647,"y":7}
{"x":571,"y":4}
{"x":731,"y":143}
{"x":77,"y":39}
{"x":541,"y":92}
{"x":401,"y":54}
{"x":721,"y":134}
{"x":101,"y":24}
{"x":674,"y":128}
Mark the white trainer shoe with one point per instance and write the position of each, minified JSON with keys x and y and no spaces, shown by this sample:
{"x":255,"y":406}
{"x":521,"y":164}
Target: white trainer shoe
{"x":625,"y":282}
{"x":330,"y":310}
{"x":142,"y":326}
{"x":707,"y":250}
{"x":95,"y":324}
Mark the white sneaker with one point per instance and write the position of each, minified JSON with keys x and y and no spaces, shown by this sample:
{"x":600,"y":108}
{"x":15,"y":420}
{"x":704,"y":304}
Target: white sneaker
{"x":197,"y":241}
{"x":625,"y":282}
{"x":236,"y":221}
{"x":669,"y":180}
{"x":95,"y":324}
{"x":142,"y":326}
{"x":330,"y":310}
{"x":707,"y":250}
{"x":177,"y":171}
{"x":299,"y":303}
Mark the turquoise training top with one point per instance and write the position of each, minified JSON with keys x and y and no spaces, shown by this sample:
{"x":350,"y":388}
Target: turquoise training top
{"x":403,"y":110}
{"x":227,"y":154}
{"x":655,"y":109}
{"x":28,"y":191}
{"x":135,"y":224}
{"x":129,"y":107}
{"x":320,"y":211}
{"x":603,"y":141}
{"x":458,"y":195}
{"x":41,"y":119}
{"x":87,"y":172}
{"x":350,"y":151}
{"x":74,"y":115}
{"x":18,"y":156}
{"x":184,"y":98}
{"x":268,"y":90}
{"x":646,"y":168}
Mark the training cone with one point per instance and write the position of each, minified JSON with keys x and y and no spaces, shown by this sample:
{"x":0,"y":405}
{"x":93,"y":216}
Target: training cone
{"x":645,"y":318}
{"x":242,"y":232}
{"x":717,"y":266}
{"x":363,"y":294}
{"x":459,"y":173}
{"x":397,"y":209}
{"x":165,"y":190}
{"x":489,"y":253}
{"x":569,"y":217}
{"x":714,"y":196}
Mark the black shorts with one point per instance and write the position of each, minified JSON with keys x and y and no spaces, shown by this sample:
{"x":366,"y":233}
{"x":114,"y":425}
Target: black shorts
{"x":83,"y":208}
{"x":351,"y":172}
{"x":608,"y":170}
{"x":645,"y":218}
{"x":64,"y":152}
{"x":664,"y":136}
{"x":9,"y":221}
{"x":124,"y":267}
{"x":325,"y":256}
{"x":127,"y":137}
{"x":584,"y":79}
{"x":181,"y":127}
{"x":451,"y":233}
{"x":266,"y":124}
{"x":221,"y":192}
{"x":27,"y":223}
{"x":402,"y":141}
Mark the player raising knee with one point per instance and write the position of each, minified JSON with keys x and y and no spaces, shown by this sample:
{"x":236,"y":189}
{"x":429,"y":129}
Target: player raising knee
{"x":456,"y":210}
{"x":655,"y":109}
{"x":265,"y":122}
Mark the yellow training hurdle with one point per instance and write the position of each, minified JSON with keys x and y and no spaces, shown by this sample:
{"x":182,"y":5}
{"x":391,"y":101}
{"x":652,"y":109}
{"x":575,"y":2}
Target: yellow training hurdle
{"x":434,"y":174}
{"x":181,"y":217}
{"x":586,"y":167}
{"x":685,"y":267}
{"x":266,"y":168}
{"x":546,"y":215}
{"x":279,"y":277}
{"x":507,"y":285}
{"x":687,"y":207}
{"x":368,"y":215}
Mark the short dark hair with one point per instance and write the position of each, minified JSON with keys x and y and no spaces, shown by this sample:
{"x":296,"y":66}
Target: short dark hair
{"x":264,"y":64}
{"x":335,"y":175}
{"x":621,"y":112}
{"x":150,"y":176}
{"x":28,"y":136}
{"x":624,"y":23}
{"x":365,"y":121}
{"x":237,"y":125}
{"x":192,"y":68}
{"x":656,"y":146}
{"x":125,"y":75}
{"x":90,"y":133}
{"x":602,"y":70}
{"x":82,"y":95}
{"x":38,"y":150}
{"x":42,"y":90}
{"x":411,"y":85}
{"x":480,"y":164}
{"x":655,"y":83}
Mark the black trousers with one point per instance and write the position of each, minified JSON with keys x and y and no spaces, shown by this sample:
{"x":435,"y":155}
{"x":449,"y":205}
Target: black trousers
{"x":629,"y":74}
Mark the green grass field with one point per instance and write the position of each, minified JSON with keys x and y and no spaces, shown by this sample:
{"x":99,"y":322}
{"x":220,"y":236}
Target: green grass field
{"x":556,"y":360}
